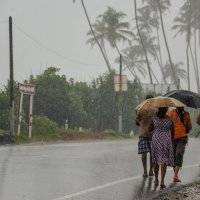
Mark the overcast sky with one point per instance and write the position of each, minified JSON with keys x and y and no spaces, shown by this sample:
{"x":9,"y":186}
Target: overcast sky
{"x":53,"y":33}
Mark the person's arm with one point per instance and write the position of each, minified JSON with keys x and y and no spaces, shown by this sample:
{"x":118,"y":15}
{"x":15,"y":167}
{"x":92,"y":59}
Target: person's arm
{"x":138,"y":119}
{"x":188,"y":123}
{"x":150,"y":127}
{"x":172,"y":130}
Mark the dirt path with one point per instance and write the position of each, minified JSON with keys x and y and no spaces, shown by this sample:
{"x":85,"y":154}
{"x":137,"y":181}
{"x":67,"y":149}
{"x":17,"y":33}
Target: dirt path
{"x":190,"y":192}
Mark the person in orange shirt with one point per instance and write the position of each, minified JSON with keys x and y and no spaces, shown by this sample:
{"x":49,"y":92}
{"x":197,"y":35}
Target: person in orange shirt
{"x":198,"y":122}
{"x":182,"y":126}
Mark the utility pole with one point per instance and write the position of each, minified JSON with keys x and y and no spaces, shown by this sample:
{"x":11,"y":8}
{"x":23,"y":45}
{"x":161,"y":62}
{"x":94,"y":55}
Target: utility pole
{"x":11,"y":78}
{"x":120,"y":95}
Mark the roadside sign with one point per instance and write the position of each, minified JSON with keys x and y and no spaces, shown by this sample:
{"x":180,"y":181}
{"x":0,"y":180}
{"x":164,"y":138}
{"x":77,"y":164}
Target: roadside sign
{"x":117,"y":83}
{"x":27,"y":89}
{"x":30,"y":90}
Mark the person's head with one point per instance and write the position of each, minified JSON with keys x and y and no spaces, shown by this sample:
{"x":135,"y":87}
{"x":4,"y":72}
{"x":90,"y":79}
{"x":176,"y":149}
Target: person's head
{"x":162,"y":112}
{"x":149,"y":96}
{"x":180,"y":109}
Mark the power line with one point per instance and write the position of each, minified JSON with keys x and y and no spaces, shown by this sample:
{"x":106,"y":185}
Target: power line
{"x":51,"y":50}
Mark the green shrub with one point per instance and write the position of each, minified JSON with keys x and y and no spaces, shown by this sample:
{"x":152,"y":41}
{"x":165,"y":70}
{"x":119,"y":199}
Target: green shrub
{"x":109,"y":132}
{"x":42,"y":125}
{"x":3,"y":132}
{"x":19,"y":139}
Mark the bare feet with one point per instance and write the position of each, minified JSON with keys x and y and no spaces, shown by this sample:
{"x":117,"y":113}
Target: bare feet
{"x":145,"y":175}
{"x":176,"y":179}
{"x":151,"y":173}
{"x":156,"y":182}
{"x":162,"y":186}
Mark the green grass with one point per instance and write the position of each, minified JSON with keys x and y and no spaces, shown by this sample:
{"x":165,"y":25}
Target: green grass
{"x":21,"y":139}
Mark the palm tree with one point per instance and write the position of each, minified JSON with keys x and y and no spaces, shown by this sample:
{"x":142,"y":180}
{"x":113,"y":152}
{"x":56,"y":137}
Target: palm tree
{"x":146,"y":23}
{"x":88,"y":19}
{"x":165,"y":39}
{"x":132,"y":57}
{"x":194,"y":9}
{"x":149,"y":44}
{"x":197,"y":6}
{"x":115,"y":30}
{"x":179,"y":72}
{"x":99,"y":30}
{"x":110,"y":27}
{"x":158,"y":7}
{"x":184,"y":24}
{"x":142,"y":43}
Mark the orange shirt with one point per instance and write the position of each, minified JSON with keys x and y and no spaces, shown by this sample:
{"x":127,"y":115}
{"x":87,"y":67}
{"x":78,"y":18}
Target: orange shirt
{"x":179,"y":127}
{"x":198,"y":119}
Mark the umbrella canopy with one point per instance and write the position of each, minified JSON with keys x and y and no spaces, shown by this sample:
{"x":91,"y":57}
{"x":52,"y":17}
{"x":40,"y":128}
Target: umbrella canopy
{"x":190,"y":99}
{"x":159,"y":102}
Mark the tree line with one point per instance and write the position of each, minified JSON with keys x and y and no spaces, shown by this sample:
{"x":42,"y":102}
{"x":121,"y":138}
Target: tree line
{"x":96,"y":105}
{"x":145,"y":40}
{"x":92,"y":105}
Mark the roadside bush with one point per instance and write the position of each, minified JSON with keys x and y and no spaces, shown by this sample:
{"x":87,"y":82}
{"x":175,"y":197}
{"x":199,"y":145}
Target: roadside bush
{"x":5,"y":138}
{"x":42,"y":125}
{"x":109,"y":132}
{"x":3,"y":132}
{"x":19,"y":139}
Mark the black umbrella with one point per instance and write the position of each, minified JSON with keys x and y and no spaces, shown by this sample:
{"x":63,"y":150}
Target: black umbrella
{"x":190,"y":99}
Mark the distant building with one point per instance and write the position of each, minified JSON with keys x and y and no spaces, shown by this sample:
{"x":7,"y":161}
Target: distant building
{"x":159,"y":88}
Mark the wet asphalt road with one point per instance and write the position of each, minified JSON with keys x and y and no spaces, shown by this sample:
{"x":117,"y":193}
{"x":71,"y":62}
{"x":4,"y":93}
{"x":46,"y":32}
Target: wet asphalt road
{"x":83,"y":171}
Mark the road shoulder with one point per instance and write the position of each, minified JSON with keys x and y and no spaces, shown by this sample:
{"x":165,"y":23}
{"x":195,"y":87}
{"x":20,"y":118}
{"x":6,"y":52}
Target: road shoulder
{"x":187,"y":192}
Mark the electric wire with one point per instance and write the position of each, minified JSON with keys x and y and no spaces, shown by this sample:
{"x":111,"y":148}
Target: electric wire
{"x":51,"y":50}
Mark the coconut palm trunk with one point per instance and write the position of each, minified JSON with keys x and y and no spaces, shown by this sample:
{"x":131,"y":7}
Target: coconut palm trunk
{"x":159,"y":62}
{"x":197,"y":67}
{"x":132,"y":72}
{"x":145,"y":52}
{"x":166,"y":44}
{"x":188,"y":64}
{"x":195,"y":47}
{"x":187,"y":49}
{"x":159,"y":49}
{"x":88,"y":19}
{"x":194,"y":66}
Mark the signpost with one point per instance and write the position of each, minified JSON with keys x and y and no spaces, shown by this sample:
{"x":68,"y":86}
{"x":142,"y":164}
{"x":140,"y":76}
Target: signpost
{"x":124,"y":85}
{"x":30,"y":90}
{"x":120,"y":85}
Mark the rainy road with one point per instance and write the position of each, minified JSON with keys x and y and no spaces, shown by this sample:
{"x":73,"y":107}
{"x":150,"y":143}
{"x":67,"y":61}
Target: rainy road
{"x":82,"y":171}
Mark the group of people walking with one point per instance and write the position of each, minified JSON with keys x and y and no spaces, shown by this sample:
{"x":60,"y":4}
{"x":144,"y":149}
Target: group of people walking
{"x":163,"y":134}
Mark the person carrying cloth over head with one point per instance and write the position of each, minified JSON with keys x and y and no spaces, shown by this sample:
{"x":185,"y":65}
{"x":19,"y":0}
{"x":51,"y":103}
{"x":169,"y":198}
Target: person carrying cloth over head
{"x":182,"y":126}
{"x":143,"y":120}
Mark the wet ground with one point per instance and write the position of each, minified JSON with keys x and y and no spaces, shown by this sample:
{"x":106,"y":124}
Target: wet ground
{"x":189,"y":192}
{"x":83,"y":171}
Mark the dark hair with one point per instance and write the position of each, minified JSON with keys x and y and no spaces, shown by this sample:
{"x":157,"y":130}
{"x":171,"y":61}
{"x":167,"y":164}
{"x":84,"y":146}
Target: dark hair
{"x":180,"y":111}
{"x":149,"y":96}
{"x":162,"y":112}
